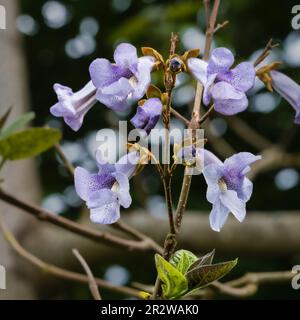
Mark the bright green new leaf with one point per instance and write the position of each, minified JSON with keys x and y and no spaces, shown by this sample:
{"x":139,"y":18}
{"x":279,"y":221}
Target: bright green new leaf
{"x":174,"y":283}
{"x":18,"y":124}
{"x":28,"y":143}
{"x":204,"y":260}
{"x":204,"y":275}
{"x":182,"y":260}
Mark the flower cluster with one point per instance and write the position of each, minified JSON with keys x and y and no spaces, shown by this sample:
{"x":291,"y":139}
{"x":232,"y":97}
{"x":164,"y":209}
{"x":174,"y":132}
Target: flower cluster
{"x":124,"y":82}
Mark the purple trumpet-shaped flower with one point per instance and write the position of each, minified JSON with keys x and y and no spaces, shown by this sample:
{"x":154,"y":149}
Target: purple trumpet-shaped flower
{"x":106,"y":190}
{"x":224,"y":86}
{"x":73,"y":106}
{"x":147,"y":115}
{"x":288,"y":89}
{"x":228,"y":188}
{"x":123,"y":81}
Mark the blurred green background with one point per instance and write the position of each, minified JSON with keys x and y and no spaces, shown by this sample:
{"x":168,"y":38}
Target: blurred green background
{"x":61,"y":38}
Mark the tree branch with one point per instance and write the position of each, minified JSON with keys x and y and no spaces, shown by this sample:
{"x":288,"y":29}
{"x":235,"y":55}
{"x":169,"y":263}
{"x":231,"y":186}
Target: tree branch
{"x":59,"y":272}
{"x":92,"y":282}
{"x":93,"y":234}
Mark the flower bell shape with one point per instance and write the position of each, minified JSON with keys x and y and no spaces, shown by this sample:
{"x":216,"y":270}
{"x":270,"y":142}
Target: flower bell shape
{"x":224,"y":86}
{"x":123,"y":81}
{"x":288,"y":89}
{"x":228,"y":188}
{"x":73,"y":106}
{"x":147,"y":115}
{"x":106,"y":190}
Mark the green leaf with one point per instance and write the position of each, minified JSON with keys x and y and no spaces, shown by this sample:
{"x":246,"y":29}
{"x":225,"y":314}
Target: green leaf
{"x":174,"y":283}
{"x":182,"y":260}
{"x":18,"y":124}
{"x":206,"y":274}
{"x":5,"y":117}
{"x":205,"y":260}
{"x":28,"y":143}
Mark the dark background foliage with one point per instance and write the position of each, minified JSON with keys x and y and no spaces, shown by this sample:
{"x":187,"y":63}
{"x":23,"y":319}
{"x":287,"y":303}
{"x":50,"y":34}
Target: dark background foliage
{"x":53,"y":57}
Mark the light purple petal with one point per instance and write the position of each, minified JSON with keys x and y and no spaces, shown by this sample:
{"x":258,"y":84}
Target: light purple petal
{"x":127,"y":163}
{"x":239,"y":163}
{"x":218,"y":216}
{"x":198,"y":68}
{"x":103,"y":73}
{"x":125,"y":56}
{"x":207,"y":89}
{"x":212,"y":174}
{"x":221,"y":60}
{"x":242,"y":77}
{"x":246,"y":190}
{"x":142,"y":77}
{"x":288,"y":89}
{"x":236,"y":206}
{"x":104,"y":207}
{"x":74,"y":123}
{"x":86,"y":183}
{"x":210,"y":158}
{"x":227,"y":99}
{"x":115,"y":96}
{"x":147,"y":115}
{"x":123,"y":189}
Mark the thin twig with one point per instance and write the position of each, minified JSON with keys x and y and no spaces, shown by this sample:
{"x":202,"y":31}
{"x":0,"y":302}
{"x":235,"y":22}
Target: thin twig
{"x":60,"y":272}
{"x":67,"y":164}
{"x":267,"y":50}
{"x":220,"y":26}
{"x":93,"y":234}
{"x":194,"y":123}
{"x":206,"y":115}
{"x":92,"y":282}
{"x":180,"y":116}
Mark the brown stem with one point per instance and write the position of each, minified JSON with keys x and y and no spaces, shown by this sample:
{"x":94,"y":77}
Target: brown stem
{"x":210,"y":28}
{"x":269,"y":46}
{"x":206,"y":115}
{"x":92,"y":282}
{"x":60,"y":272}
{"x":93,"y":234}
{"x":194,"y":124}
{"x":180,"y":117}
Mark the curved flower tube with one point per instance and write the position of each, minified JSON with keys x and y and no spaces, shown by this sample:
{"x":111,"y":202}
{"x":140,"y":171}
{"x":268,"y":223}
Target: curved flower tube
{"x":73,"y":106}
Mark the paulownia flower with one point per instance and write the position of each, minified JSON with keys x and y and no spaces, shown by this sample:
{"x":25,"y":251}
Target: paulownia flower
{"x":73,"y":106}
{"x":224,"y":86}
{"x":288,"y":89}
{"x":106,"y":190}
{"x":123,"y":81}
{"x":147,"y":115}
{"x":228,"y":188}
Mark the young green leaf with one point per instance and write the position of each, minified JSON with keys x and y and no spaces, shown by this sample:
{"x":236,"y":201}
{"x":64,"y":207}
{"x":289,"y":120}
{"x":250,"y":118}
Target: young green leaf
{"x":204,"y":275}
{"x":174,"y":283}
{"x":18,"y":124}
{"x":182,"y":260}
{"x":28,"y":143}
{"x":204,"y":260}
